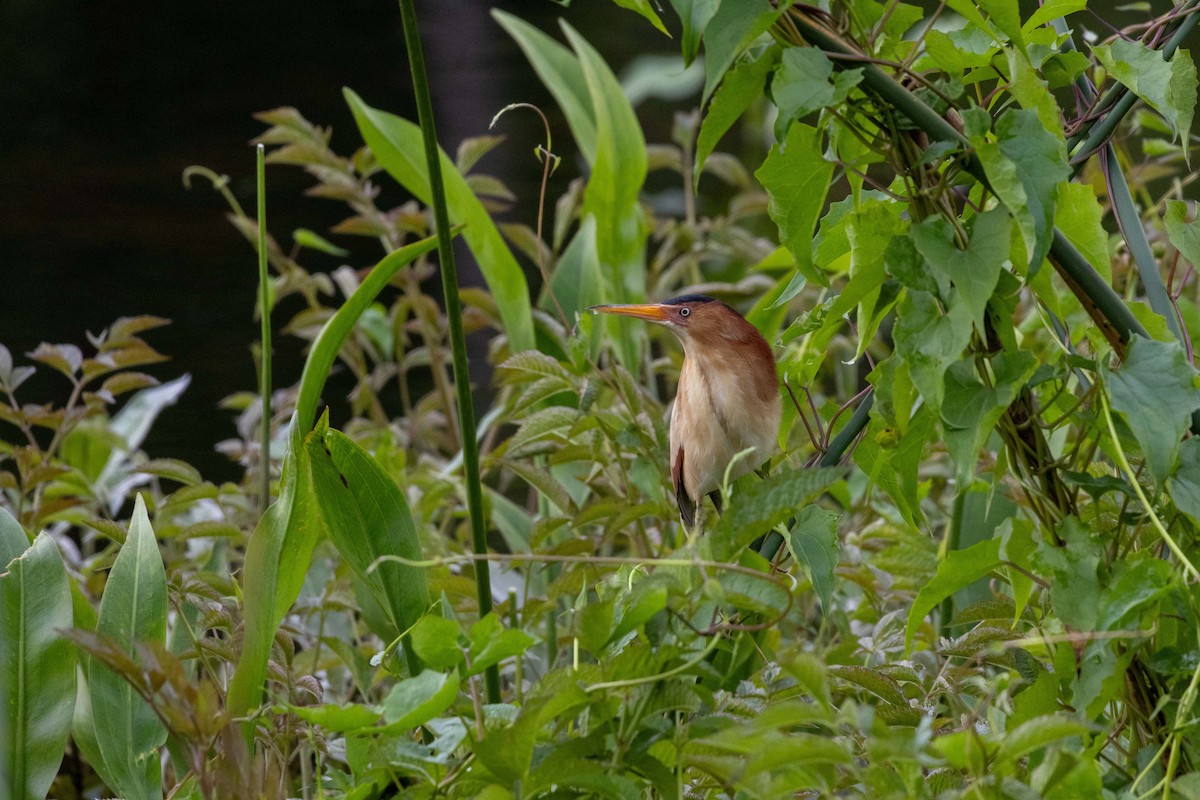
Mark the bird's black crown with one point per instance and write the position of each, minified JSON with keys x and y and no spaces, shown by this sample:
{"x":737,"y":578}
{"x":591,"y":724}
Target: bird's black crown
{"x":689,"y":298}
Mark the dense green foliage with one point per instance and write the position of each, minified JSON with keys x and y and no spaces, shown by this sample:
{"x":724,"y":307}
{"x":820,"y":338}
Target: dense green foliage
{"x":972,"y":247}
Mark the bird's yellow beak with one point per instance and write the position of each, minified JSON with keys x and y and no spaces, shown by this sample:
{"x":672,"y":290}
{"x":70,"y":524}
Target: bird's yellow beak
{"x":652,"y":312}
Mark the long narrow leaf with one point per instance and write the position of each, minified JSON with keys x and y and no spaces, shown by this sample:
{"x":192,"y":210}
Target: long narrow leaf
{"x":37,"y":665}
{"x":396,"y":143}
{"x":277,"y":559}
{"x":133,"y":609}
{"x":329,"y":340}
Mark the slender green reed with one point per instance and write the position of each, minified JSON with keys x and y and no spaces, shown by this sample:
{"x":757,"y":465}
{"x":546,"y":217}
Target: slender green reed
{"x":264,"y":301}
{"x":462,"y":378}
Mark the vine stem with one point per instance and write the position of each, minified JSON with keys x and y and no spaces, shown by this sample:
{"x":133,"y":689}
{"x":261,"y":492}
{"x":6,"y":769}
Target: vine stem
{"x":462,"y":377}
{"x":1123,"y":462}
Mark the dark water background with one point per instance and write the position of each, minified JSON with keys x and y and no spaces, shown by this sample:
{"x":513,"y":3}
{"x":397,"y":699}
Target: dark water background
{"x":103,"y":105}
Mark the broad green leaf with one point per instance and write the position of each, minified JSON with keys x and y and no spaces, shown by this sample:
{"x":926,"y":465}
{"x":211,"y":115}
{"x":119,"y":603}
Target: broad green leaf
{"x":562,"y":74}
{"x":694,"y":16}
{"x":1037,"y":733}
{"x":766,"y":503}
{"x":1184,"y":235}
{"x":1052,"y":10}
{"x":1032,"y":93}
{"x":1155,"y":389}
{"x":804,"y":83}
{"x":1184,"y":485}
{"x":618,"y":172}
{"x":37,"y":665}
{"x":1075,"y":590}
{"x":133,"y":609}
{"x":367,"y":517}
{"x":417,"y":700}
{"x":277,"y":559}
{"x":733,"y":27}
{"x":813,"y":541}
{"x":930,"y":339}
{"x":892,"y":464}
{"x":1005,"y":15}
{"x":397,"y":145}
{"x":971,"y":409}
{"x":958,"y":569}
{"x":1169,"y":87}
{"x":1133,"y":586}
{"x":1078,"y":216}
{"x":741,"y":87}
{"x":1024,"y":164}
{"x":508,"y":752}
{"x":435,"y":640}
{"x":796,"y":177}
{"x":871,"y":229}
{"x":491,"y":643}
{"x":577,"y":282}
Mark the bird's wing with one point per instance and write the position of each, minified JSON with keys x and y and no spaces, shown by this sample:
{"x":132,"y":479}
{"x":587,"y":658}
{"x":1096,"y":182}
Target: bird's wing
{"x":687,"y":506}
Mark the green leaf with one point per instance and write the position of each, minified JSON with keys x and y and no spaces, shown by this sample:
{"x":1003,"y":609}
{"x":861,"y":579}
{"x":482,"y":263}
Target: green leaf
{"x":958,"y":569}
{"x":644,"y":8}
{"x":37,"y":665}
{"x":367,"y":517}
{"x":415,"y":701}
{"x":306,"y":238}
{"x":1052,"y":10}
{"x":971,"y":409}
{"x":1024,"y":164}
{"x":973,"y":272}
{"x":694,"y":15}
{"x":1027,"y":87}
{"x":796,"y":177}
{"x":277,"y":559}
{"x":813,"y":541}
{"x":802,"y":85}
{"x":732,"y":29}
{"x":1184,"y":235}
{"x":576,"y":282}
{"x":741,"y":87}
{"x":1155,"y":390}
{"x":1169,"y":87}
{"x":1078,"y":216}
{"x":133,"y":610}
{"x":491,"y":643}
{"x":1075,"y":591}
{"x":930,"y":340}
{"x":1037,"y":733}
{"x":562,"y":74}
{"x":766,"y":503}
{"x":618,"y":172}
{"x":334,"y":332}
{"x":435,"y":640}
{"x":397,"y":144}
{"x":337,"y":718}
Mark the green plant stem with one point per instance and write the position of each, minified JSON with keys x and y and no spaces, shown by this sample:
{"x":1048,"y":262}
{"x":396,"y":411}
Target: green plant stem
{"x":1105,"y":306}
{"x":462,"y":378}
{"x":264,"y":301}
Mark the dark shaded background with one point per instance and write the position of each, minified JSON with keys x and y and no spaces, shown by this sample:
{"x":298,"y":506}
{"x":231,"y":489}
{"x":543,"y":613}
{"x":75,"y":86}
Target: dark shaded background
{"x":103,"y":105}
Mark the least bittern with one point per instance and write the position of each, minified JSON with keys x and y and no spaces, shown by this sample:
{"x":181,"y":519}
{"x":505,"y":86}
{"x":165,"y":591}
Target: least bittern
{"x":727,"y":400}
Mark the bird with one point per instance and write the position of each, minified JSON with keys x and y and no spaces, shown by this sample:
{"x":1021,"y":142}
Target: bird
{"x":727,"y":400}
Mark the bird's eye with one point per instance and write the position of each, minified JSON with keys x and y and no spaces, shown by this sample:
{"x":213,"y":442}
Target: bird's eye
{"x":685,"y":311}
